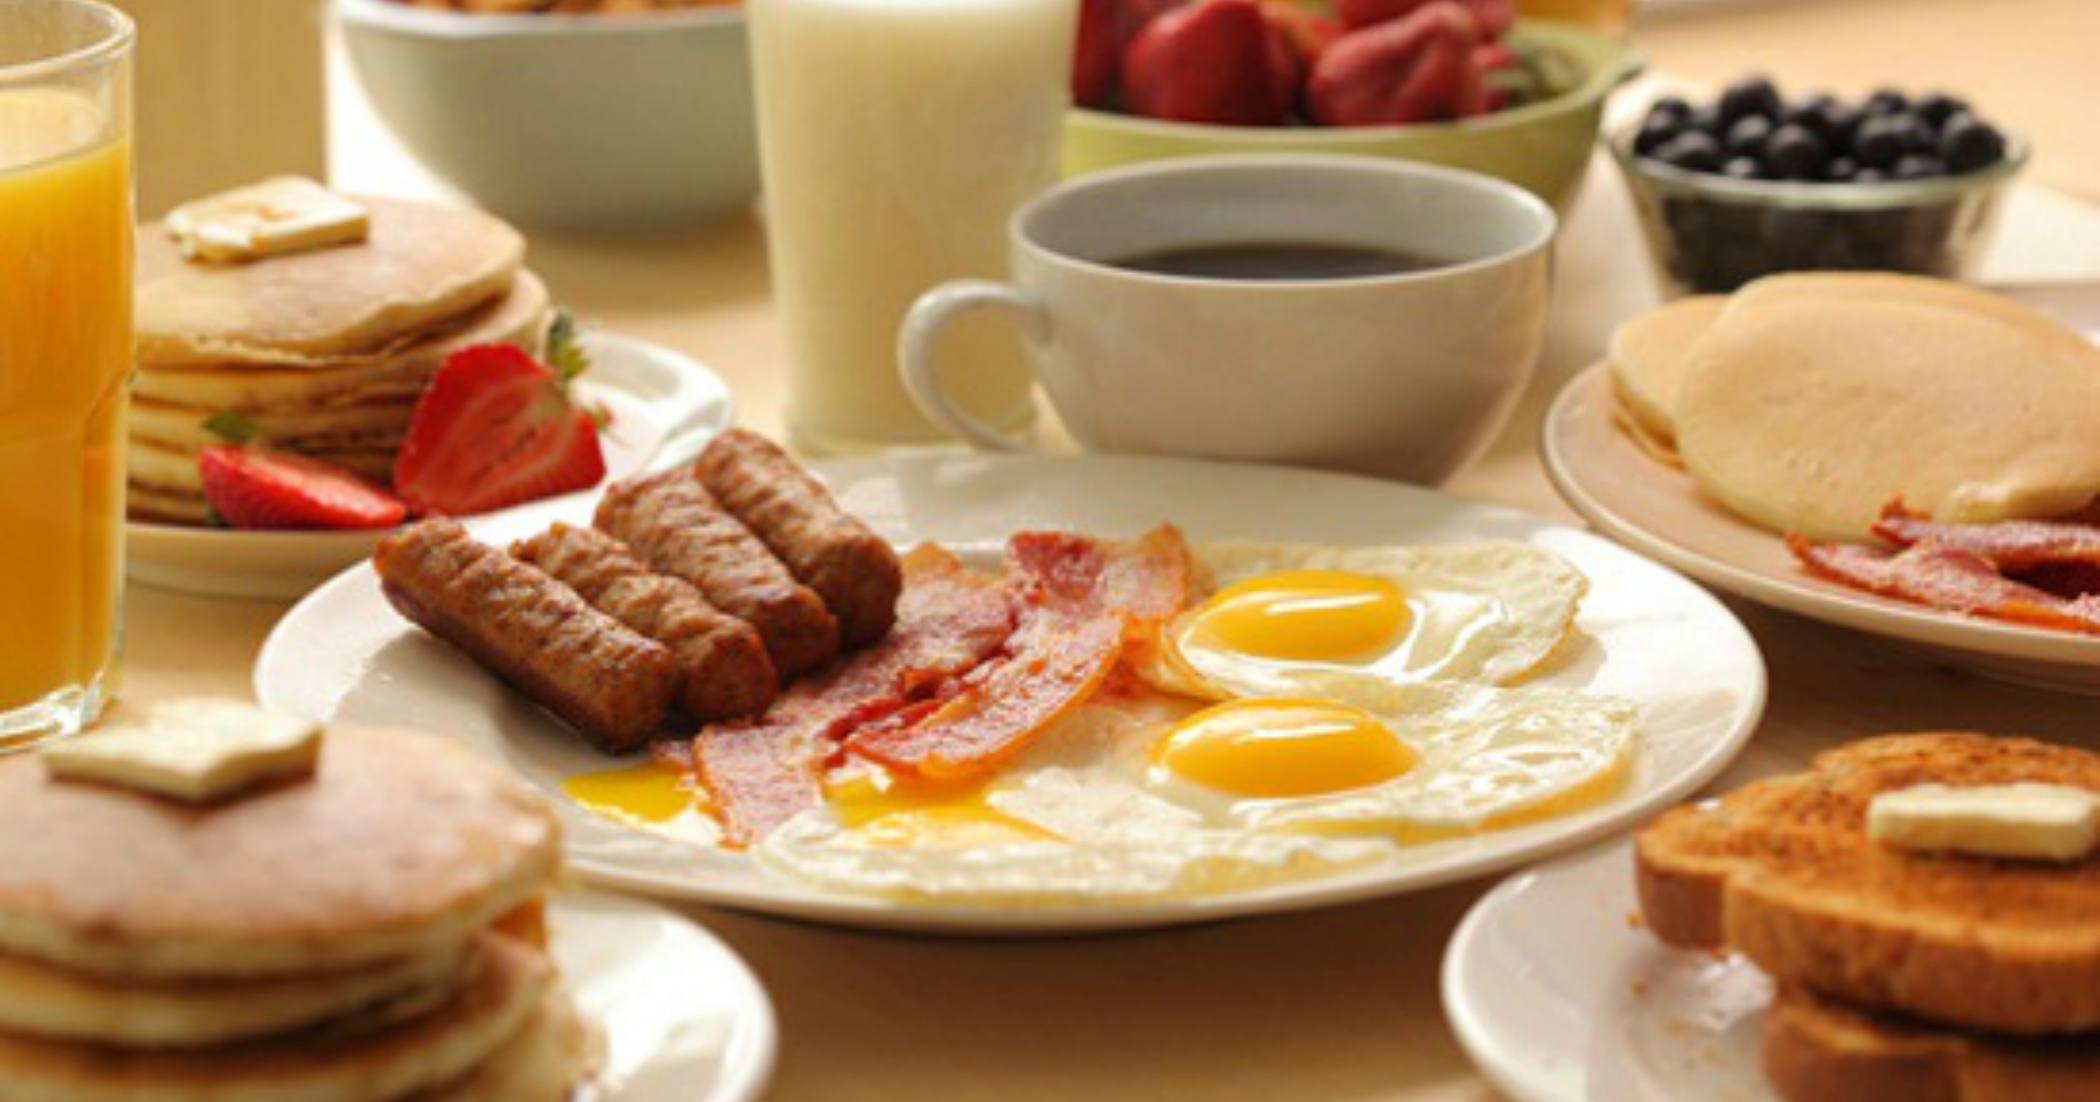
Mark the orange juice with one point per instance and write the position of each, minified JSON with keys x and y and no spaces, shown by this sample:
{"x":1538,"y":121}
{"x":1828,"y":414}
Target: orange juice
{"x":65,"y":355}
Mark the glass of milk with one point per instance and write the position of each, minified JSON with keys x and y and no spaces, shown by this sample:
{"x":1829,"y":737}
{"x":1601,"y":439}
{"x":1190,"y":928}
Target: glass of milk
{"x":895,"y":138}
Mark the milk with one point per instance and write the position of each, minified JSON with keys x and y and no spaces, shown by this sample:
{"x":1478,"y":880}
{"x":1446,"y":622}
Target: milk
{"x":896,"y":136}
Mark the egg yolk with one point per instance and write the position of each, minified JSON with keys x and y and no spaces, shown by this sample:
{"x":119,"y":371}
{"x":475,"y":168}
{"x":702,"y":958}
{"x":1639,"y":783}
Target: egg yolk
{"x":646,"y":793}
{"x":890,"y":813}
{"x":1282,"y":748}
{"x":1305,"y":616}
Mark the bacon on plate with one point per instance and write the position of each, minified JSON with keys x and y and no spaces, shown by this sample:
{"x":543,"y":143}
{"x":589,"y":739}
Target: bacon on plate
{"x":1946,"y":577}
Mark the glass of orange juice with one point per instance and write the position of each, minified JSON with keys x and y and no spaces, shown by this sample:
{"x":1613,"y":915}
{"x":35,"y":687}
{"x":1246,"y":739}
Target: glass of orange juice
{"x":65,"y":358}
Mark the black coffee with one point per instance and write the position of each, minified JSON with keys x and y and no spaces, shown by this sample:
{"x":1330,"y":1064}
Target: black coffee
{"x":1277,"y":260}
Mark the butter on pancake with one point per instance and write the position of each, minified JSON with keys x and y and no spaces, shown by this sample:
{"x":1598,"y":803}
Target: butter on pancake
{"x":1806,"y":413}
{"x":419,"y":265}
{"x":400,"y":845}
{"x":1647,"y":360}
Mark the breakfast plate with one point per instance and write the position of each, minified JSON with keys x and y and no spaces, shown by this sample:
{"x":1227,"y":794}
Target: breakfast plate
{"x":1644,"y":634}
{"x":1559,"y":995}
{"x":1656,"y":510}
{"x":663,"y":403}
{"x":681,"y":1018}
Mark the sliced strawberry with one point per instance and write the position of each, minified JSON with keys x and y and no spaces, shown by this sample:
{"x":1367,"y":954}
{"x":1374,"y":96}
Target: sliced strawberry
{"x":495,"y":428}
{"x":252,"y":487}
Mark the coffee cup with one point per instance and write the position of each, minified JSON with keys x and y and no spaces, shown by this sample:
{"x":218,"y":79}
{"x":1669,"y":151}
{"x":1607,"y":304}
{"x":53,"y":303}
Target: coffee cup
{"x":1343,"y":312}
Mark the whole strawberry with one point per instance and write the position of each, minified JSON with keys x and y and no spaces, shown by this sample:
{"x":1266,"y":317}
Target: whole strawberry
{"x":496,"y":428}
{"x":1215,"y":61}
{"x":1418,"y":68}
{"x":1105,"y":30}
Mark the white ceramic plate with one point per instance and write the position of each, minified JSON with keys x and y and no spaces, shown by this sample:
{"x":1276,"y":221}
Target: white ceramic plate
{"x":1649,"y":635}
{"x":1560,"y":996}
{"x":1656,"y":510}
{"x":682,"y":1019}
{"x":661,"y":402}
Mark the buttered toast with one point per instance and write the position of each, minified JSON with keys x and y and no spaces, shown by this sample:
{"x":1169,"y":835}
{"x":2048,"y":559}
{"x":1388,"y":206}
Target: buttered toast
{"x":1784,"y":872}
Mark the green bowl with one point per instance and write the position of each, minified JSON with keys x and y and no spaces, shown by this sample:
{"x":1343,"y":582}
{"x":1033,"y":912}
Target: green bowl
{"x":1543,"y":147}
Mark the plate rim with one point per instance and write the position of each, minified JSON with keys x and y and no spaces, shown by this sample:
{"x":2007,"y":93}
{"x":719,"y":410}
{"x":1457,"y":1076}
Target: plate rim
{"x":753,"y":1052}
{"x":1808,"y":597}
{"x":811,"y":903}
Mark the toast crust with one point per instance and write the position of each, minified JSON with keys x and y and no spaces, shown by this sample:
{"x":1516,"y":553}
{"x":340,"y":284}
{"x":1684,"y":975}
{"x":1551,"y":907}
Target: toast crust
{"x":1783,"y":872}
{"x":1819,"y":1050}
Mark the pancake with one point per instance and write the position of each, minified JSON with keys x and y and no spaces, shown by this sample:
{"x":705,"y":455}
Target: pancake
{"x":401,"y":845}
{"x":443,"y":1046}
{"x":1808,"y":415}
{"x":1647,"y":359}
{"x":554,"y":1053}
{"x":381,"y":423}
{"x":421,"y":265}
{"x":518,"y":317}
{"x":1899,"y":288}
{"x":45,"y":1001}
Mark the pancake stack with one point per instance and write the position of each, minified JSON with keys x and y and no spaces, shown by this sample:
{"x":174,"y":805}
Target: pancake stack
{"x":337,"y":938}
{"x":322,"y":352}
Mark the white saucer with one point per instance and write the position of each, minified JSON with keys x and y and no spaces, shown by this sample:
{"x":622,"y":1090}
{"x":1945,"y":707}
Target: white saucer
{"x":663,"y":403}
{"x":1559,"y":995}
{"x":682,"y":1019}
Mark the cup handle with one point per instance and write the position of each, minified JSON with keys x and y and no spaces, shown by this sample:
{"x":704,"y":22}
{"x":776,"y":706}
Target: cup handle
{"x":935,"y":309}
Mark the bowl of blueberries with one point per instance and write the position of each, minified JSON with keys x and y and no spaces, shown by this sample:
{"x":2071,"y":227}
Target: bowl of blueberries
{"x":1752,"y":183}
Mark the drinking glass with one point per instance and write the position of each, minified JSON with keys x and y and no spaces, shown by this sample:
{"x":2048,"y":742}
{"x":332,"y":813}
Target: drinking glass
{"x":895,"y":137}
{"x":65,"y":355}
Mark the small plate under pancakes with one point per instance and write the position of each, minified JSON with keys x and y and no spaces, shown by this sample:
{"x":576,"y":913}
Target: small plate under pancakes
{"x":1657,"y":510}
{"x":663,"y":404}
{"x":681,"y":1018}
{"x":1647,"y":635}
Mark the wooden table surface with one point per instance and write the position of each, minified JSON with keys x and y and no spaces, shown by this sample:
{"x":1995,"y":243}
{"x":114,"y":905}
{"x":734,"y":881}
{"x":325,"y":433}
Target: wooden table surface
{"x":1339,"y":1004}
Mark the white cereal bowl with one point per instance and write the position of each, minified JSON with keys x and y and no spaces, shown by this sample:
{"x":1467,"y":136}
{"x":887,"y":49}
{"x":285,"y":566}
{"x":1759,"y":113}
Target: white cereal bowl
{"x":573,"y":121}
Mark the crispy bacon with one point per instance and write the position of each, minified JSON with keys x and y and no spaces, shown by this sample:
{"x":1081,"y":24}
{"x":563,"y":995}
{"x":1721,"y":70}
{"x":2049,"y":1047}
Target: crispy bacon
{"x":1948,"y":578}
{"x":1083,"y":601}
{"x":2011,"y":545}
{"x":761,"y":774}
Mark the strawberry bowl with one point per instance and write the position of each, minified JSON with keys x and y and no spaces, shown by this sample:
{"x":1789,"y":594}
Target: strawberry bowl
{"x":1542,"y":146}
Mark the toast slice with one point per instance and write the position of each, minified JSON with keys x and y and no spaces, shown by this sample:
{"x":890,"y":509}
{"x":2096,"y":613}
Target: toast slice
{"x":1783,"y":872}
{"x":1820,"y":1050}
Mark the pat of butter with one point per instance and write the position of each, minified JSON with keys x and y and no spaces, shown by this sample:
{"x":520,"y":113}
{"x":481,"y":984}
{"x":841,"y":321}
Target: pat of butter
{"x":2040,"y":822}
{"x":199,"y":751}
{"x":287,"y":214}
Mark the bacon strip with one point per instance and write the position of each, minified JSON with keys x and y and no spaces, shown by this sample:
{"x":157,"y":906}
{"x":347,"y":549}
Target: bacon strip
{"x":2010,"y":545}
{"x":1084,"y":599}
{"x":762,"y":774}
{"x":1948,"y":578}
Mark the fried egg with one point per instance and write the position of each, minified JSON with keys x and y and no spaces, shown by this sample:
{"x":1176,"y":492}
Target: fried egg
{"x":1288,"y":615}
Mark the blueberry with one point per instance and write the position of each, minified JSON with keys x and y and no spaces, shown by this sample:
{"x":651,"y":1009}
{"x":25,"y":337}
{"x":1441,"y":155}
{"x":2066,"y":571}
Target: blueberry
{"x":1654,"y":132}
{"x":1670,"y":107}
{"x":1813,"y":113}
{"x":1886,"y":101}
{"x":1743,"y":168}
{"x":1747,"y":97}
{"x":1918,"y":166}
{"x":1693,"y":151}
{"x":1937,"y":107}
{"x":1882,"y":139}
{"x":1869,"y":176}
{"x":1705,"y":117}
{"x":1968,"y":143}
{"x":1748,"y":136}
{"x":1842,"y":125}
{"x":1840,"y":169}
{"x":1795,"y":153}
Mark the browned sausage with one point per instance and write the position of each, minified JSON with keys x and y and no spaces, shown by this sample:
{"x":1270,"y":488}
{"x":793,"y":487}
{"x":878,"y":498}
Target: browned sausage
{"x":727,"y":674}
{"x":829,"y":550}
{"x":611,"y":684}
{"x":678,"y":528}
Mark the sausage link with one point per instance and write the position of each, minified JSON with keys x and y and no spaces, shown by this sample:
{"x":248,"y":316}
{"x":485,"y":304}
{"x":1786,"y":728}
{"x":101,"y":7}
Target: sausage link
{"x":678,"y":528}
{"x":727,"y":674}
{"x":611,"y":684}
{"x":854,"y":570}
